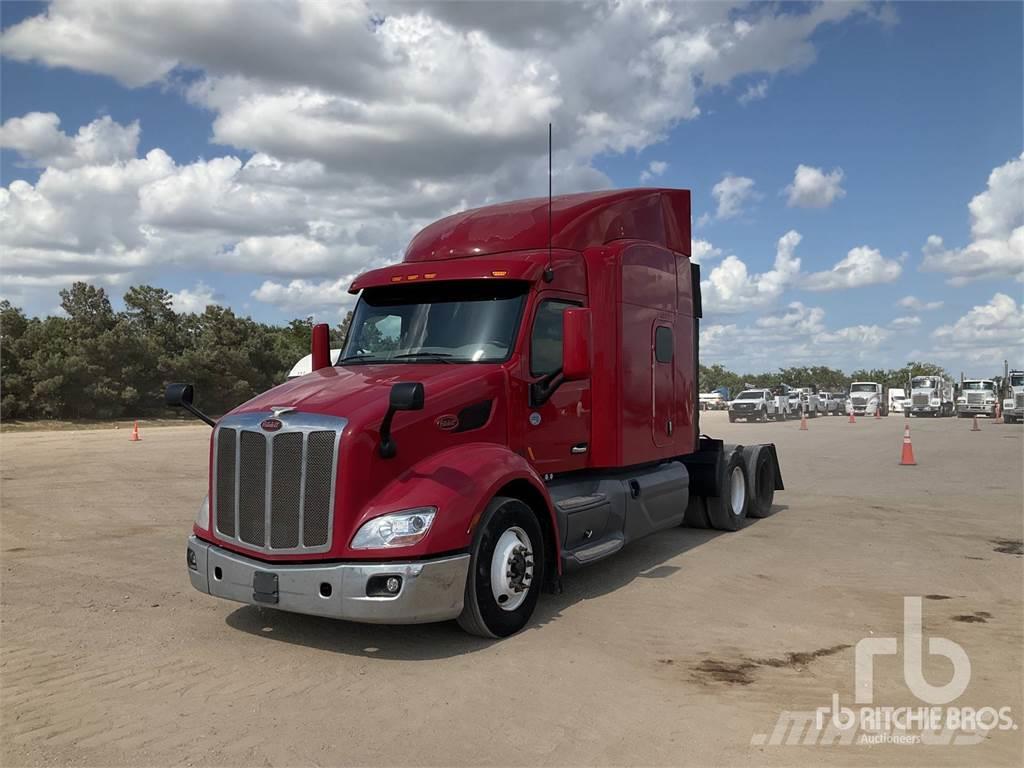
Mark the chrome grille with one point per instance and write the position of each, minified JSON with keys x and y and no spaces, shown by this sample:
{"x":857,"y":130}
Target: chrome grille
{"x":920,"y":399}
{"x":975,"y":397}
{"x":274,"y":491}
{"x":1019,"y":400}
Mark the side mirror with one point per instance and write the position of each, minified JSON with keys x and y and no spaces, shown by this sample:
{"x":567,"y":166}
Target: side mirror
{"x":576,"y":343}
{"x":180,"y":396}
{"x":320,"y":346}
{"x":405,"y":396}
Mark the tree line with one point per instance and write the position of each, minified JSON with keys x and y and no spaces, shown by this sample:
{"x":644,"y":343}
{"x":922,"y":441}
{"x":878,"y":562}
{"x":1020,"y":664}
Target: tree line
{"x":95,"y":363}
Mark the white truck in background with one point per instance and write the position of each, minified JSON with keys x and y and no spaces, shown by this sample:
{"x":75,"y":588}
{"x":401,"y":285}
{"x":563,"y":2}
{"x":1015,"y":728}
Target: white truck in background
{"x":977,"y":398}
{"x":753,"y":405}
{"x":896,"y":398}
{"x":867,"y":397}
{"x":931,"y":396}
{"x":787,"y":402}
{"x":1013,"y":405}
{"x":831,"y":405}
{"x":305,"y":365}
{"x":810,"y":403}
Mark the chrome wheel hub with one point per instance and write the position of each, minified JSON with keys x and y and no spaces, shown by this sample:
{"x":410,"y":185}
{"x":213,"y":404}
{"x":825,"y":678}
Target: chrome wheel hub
{"x":512,"y":568}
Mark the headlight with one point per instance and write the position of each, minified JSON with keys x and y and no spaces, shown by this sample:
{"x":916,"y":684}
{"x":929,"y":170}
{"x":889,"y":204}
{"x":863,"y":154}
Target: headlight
{"x":935,"y":402}
{"x":990,"y":401}
{"x":961,"y":399}
{"x":401,"y":529}
{"x":203,"y":514}
{"x":1007,"y":403}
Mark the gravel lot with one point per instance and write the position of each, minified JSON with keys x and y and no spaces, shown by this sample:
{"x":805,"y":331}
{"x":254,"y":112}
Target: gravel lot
{"x":681,"y":649}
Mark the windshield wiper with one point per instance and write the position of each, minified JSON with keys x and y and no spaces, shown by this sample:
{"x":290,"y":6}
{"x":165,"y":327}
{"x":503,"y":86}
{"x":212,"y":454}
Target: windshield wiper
{"x":364,"y":356}
{"x":441,"y":356}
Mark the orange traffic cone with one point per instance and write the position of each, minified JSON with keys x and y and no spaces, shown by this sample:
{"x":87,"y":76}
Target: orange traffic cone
{"x":907,"y":458}
{"x":999,"y":415}
{"x":974,"y":425}
{"x":878,"y":412}
{"x":135,"y":433}
{"x":852,"y":419}
{"x":803,"y":422}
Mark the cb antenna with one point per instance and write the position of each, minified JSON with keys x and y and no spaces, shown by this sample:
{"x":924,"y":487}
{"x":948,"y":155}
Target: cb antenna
{"x":549,"y":273}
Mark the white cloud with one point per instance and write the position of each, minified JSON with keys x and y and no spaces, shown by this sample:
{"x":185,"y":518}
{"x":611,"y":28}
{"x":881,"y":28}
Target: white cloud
{"x":796,"y":318}
{"x":906,"y":322}
{"x":355,"y":134}
{"x":305,"y":295}
{"x":194,"y":300}
{"x":914,"y":303}
{"x":702,"y":251}
{"x":754,"y":92}
{"x":997,"y":232}
{"x":730,"y":288}
{"x":37,"y":138}
{"x":813,"y":188}
{"x":655,"y":168}
{"x":732,"y":193}
{"x":858,"y":336}
{"x":862,"y":266}
{"x":989,"y":331}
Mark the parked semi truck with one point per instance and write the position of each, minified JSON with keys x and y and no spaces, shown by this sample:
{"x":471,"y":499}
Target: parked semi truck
{"x":1013,"y":404}
{"x":977,"y":398}
{"x":867,"y":397}
{"x":931,"y":396}
{"x":516,"y":399}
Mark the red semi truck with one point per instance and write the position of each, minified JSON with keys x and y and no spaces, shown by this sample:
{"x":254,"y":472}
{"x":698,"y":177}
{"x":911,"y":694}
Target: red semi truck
{"x":516,"y":399}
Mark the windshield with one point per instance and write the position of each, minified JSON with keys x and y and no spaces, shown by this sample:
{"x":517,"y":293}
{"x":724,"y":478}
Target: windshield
{"x":1017,"y":381}
{"x":750,"y":396}
{"x":924,"y":382}
{"x":472,"y":321}
{"x":863,"y":388}
{"x":979,"y":385}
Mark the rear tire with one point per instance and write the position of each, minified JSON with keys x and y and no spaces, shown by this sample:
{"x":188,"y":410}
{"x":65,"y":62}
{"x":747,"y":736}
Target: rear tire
{"x":506,"y":570}
{"x":728,"y":511}
{"x":760,"y":465}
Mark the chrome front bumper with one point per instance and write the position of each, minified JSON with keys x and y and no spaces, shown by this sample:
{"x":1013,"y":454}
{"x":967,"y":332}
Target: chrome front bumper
{"x":976,"y":408}
{"x":431,"y":590}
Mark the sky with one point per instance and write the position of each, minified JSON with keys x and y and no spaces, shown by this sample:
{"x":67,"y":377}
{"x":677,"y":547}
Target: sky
{"x":857,"y":170}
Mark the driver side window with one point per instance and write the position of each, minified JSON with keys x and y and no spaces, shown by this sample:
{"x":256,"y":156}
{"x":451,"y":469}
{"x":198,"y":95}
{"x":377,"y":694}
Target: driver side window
{"x":546,"y":337}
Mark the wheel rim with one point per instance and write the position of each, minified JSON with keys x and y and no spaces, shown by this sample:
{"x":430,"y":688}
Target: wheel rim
{"x":737,"y":491}
{"x":512,"y":568}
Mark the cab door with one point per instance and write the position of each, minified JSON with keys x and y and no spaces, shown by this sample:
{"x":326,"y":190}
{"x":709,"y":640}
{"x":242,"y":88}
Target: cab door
{"x":557,"y":432}
{"x":663,"y":383}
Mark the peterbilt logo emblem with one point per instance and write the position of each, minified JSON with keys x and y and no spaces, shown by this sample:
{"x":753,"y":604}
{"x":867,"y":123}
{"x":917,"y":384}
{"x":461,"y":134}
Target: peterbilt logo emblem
{"x":448,"y":422}
{"x":271,"y":425}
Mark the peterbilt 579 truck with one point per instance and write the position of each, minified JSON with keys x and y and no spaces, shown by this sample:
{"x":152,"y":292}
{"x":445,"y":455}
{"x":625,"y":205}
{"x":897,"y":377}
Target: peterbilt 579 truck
{"x":516,"y":399}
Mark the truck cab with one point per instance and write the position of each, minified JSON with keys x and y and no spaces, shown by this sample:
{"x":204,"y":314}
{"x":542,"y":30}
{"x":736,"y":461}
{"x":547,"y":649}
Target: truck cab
{"x":1013,"y":404}
{"x":868,"y":397}
{"x":931,"y":396}
{"x":977,"y":397}
{"x":515,"y":399}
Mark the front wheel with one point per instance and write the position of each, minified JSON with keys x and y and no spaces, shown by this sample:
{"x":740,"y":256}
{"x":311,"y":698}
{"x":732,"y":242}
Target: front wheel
{"x":506,"y":570}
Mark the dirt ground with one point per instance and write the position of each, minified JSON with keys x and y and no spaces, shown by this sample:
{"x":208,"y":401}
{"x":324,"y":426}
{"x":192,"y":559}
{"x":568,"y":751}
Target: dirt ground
{"x":686,"y":647}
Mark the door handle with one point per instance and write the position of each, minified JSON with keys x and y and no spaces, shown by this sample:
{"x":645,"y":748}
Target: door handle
{"x":579,"y":448}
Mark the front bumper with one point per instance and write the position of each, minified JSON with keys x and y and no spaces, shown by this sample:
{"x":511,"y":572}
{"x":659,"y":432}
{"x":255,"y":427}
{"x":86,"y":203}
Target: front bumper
{"x":976,"y":408}
{"x":431,"y":590}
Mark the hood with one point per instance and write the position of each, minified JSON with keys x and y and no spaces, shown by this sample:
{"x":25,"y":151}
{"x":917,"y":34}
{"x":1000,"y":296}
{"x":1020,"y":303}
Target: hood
{"x":360,"y":392}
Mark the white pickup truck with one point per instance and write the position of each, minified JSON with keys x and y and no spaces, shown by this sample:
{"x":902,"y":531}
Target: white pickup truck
{"x":810,"y":402}
{"x":831,"y":405}
{"x":754,"y":405}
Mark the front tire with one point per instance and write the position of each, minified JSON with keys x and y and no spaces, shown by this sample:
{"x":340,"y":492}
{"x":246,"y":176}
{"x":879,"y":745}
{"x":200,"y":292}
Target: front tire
{"x":506,"y":570}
